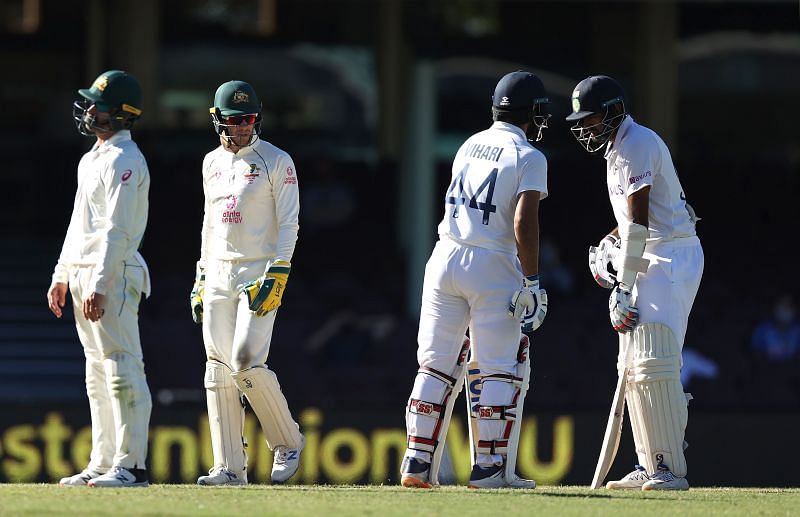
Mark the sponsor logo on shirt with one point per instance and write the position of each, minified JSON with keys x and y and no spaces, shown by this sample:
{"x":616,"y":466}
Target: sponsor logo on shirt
{"x":231,"y":215}
{"x":616,"y":190}
{"x":291,"y":179}
{"x":126,"y":176}
{"x":640,"y":177}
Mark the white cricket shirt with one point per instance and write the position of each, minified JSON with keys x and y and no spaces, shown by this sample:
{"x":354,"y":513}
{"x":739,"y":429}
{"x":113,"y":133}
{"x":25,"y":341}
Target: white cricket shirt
{"x":490,"y":170}
{"x":109,"y":215}
{"x":251,"y":204}
{"x":638,"y":158}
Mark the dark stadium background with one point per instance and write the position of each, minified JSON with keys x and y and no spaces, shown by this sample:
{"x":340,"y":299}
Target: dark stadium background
{"x":371,"y":98}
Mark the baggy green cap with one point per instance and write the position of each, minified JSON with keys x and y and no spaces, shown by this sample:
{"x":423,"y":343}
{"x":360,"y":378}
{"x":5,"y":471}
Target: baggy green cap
{"x":115,"y":90}
{"x":236,"y":98}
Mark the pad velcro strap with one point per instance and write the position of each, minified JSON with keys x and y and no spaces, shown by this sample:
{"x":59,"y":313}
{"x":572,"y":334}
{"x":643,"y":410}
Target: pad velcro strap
{"x":422,"y":407}
{"x":419,"y":443}
{"x":502,"y":377}
{"x":493,"y":447}
{"x":497,"y":412}
{"x":438,"y":375}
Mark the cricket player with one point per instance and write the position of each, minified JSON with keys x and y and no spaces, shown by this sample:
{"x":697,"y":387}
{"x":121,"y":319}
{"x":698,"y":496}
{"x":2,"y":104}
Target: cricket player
{"x":248,"y":238}
{"x":483,"y":273}
{"x":653,"y":263}
{"x":106,"y":276}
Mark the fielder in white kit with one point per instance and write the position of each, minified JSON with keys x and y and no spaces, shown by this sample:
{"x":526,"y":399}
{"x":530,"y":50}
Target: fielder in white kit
{"x":483,"y":273}
{"x":248,"y":238}
{"x":653,"y":262}
{"x":106,"y":276}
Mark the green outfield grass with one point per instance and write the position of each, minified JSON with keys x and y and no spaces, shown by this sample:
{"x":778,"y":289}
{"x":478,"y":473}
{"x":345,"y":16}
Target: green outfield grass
{"x":321,"y":501}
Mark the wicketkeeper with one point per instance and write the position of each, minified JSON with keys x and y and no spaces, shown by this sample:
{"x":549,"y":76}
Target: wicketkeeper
{"x":248,"y":238}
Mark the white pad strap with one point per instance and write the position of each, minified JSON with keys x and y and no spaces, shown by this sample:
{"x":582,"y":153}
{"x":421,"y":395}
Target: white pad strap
{"x":629,"y":261}
{"x":260,"y":385}
{"x":657,"y":404}
{"x":225,"y":418}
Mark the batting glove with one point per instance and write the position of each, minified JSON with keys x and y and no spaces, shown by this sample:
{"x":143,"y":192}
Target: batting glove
{"x":624,"y":316}
{"x":264,"y":295}
{"x":600,"y":258}
{"x":529,"y":304}
{"x":196,"y":296}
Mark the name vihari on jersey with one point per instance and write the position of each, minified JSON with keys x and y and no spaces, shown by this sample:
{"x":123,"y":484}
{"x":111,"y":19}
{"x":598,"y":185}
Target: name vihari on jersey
{"x":484,"y":152}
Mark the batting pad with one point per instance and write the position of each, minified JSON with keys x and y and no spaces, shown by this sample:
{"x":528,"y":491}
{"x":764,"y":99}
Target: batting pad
{"x":225,"y":418}
{"x":656,"y":402}
{"x":430,"y":408}
{"x":131,"y":404}
{"x":260,"y":385}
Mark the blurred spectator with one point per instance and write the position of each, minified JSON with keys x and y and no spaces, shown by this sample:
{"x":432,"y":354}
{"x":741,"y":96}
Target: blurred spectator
{"x":696,"y":366}
{"x":777,"y":338}
{"x":553,"y":273}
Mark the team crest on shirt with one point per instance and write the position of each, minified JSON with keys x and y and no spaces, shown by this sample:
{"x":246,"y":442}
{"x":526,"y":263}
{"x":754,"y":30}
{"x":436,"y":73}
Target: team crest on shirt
{"x":239,"y":96}
{"x":291,"y":179}
{"x":252,"y":174}
{"x":576,"y":102}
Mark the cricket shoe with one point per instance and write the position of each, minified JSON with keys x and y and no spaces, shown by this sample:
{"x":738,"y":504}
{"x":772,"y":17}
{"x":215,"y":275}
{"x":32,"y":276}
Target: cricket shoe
{"x":415,"y":473}
{"x":633,"y":481}
{"x":120,"y":477}
{"x":219,"y":476}
{"x":285,"y":462}
{"x":80,"y":479}
{"x":494,"y":476}
{"x":665,"y":480}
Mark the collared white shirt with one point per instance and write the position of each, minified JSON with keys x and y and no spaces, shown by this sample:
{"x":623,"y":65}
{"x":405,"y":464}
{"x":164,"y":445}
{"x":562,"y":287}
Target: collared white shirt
{"x":251,"y":204}
{"x":109,"y":215}
{"x":490,"y":170}
{"x":638,"y":158}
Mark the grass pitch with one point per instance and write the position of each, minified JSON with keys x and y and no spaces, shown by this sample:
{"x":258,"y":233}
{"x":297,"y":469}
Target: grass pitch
{"x":385,"y":501}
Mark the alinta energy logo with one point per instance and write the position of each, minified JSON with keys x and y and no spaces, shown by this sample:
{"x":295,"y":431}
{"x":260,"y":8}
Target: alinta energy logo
{"x":231,"y":215}
{"x":291,"y":179}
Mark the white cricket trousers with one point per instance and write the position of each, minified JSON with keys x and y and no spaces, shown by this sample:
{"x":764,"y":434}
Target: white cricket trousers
{"x":469,"y":286}
{"x":119,"y":398}
{"x":232,"y":333}
{"x":666,"y":292}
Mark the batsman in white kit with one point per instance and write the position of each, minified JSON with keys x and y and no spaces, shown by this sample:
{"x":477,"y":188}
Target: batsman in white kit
{"x":106,"y":276}
{"x":483,"y":274}
{"x":248,"y":237}
{"x":653,"y":262}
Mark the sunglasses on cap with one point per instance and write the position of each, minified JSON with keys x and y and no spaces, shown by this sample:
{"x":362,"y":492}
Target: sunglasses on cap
{"x":236,"y":120}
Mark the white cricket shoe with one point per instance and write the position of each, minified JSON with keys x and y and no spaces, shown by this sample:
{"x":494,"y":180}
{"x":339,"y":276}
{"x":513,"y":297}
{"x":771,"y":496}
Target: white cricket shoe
{"x":120,"y":477}
{"x":219,"y":476}
{"x":495,"y":477}
{"x":633,"y":481}
{"x":286,"y":461}
{"x":81,"y":478}
{"x":415,"y":473}
{"x":666,"y":480}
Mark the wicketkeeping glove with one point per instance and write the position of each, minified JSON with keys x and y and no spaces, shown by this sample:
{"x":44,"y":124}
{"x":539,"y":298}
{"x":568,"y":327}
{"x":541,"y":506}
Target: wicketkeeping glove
{"x":600,"y":258}
{"x":624,"y":316}
{"x":529,"y":304}
{"x":264,"y":295}
{"x":196,"y":296}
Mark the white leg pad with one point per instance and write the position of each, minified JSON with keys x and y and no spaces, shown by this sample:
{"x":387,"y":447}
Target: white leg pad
{"x":260,"y":385}
{"x":495,"y":405}
{"x":657,"y":405}
{"x":131,"y":404}
{"x":225,"y":419}
{"x":430,"y":408}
